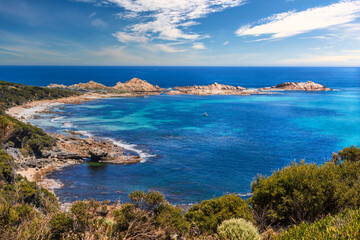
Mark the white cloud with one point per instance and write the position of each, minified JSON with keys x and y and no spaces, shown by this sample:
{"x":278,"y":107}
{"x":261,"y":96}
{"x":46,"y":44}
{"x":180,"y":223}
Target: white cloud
{"x":127,"y":37}
{"x":164,"y":47}
{"x":127,"y":15}
{"x":226,"y":43}
{"x":98,"y":23}
{"x":293,"y":23}
{"x":170,"y":18}
{"x":199,"y":46}
{"x":92,"y":15}
{"x":117,"y":54}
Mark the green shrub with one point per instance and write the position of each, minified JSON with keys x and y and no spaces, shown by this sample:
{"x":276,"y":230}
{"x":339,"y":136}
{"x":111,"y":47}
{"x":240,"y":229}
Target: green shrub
{"x":345,"y":225}
{"x":61,"y":223}
{"x":238,"y":229}
{"x":146,"y":201}
{"x":305,"y":192}
{"x":171,"y":220}
{"x":351,"y":154}
{"x":84,"y":213}
{"x":6,"y":170}
{"x":210,"y":213}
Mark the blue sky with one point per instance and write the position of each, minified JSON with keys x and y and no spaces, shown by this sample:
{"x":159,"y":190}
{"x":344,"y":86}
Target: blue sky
{"x":180,"y":32}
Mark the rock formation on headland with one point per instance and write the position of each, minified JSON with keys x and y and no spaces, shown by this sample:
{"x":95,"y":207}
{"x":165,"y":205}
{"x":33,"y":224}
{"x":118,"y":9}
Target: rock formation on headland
{"x":134,"y":85}
{"x":299,"y":86}
{"x":88,"y":86}
{"x":213,"y":89}
{"x":71,"y":148}
{"x":137,"y":85}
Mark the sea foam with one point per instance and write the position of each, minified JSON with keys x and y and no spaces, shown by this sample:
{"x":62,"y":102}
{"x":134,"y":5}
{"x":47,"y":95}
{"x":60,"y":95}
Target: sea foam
{"x":132,"y":148}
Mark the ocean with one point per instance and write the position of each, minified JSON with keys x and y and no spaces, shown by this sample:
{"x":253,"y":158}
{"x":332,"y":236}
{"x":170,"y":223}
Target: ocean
{"x":190,"y":157}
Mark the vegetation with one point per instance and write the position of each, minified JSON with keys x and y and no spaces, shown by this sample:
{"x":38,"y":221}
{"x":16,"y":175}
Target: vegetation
{"x":13,"y":94}
{"x":306,"y":192}
{"x":345,"y":225}
{"x":14,"y":133}
{"x":209,"y":214}
{"x":30,"y":139}
{"x":238,"y":229}
{"x":300,"y":201}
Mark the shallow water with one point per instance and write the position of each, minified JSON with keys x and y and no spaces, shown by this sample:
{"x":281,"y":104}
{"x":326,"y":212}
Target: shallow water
{"x":192,"y":157}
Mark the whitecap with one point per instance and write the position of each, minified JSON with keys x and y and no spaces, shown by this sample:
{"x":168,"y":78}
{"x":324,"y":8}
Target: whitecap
{"x":56,"y":119}
{"x":85,"y":133}
{"x":67,"y":125}
{"x":132,"y":148}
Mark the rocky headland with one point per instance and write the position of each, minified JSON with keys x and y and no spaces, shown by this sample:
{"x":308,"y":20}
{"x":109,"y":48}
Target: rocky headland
{"x":135,"y":85}
{"x":213,"y":89}
{"x":298,"y":86}
{"x":138,"y":87}
{"x":69,"y":149}
{"x":221,"y":89}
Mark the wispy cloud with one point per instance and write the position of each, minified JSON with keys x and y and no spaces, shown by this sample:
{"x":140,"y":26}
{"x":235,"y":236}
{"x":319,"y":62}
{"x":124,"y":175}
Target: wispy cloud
{"x":199,"y":46}
{"x":128,"y":37}
{"x":292,"y":23}
{"x":164,"y":47}
{"x":226,"y":43}
{"x":98,"y":23}
{"x":92,"y":15}
{"x":169,"y":20}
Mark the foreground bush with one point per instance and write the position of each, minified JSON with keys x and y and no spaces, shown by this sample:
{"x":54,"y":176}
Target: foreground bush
{"x":207,"y":215}
{"x":345,"y":225}
{"x":238,"y":229}
{"x":306,"y":192}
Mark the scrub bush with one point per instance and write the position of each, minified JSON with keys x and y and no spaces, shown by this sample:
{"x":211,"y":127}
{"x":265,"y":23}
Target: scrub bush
{"x":305,"y":192}
{"x":238,"y":229}
{"x":345,"y":225}
{"x":209,"y":214}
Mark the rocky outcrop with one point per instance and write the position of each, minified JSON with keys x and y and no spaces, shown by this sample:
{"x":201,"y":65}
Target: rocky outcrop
{"x":213,"y":89}
{"x":89,"y":86}
{"x":60,"y":86}
{"x":133,"y":86}
{"x":100,"y":150}
{"x":72,"y":149}
{"x":298,"y":86}
{"x":136,"y":85}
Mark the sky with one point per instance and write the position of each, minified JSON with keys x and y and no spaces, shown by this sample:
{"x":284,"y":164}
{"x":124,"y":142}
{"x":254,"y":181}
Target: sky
{"x":180,"y":32}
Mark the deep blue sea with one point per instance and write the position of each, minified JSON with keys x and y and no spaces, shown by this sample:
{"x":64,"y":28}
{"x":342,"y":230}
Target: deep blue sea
{"x":190,"y":157}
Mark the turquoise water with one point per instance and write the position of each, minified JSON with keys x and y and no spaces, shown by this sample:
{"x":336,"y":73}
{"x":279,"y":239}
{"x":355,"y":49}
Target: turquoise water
{"x":190,"y":157}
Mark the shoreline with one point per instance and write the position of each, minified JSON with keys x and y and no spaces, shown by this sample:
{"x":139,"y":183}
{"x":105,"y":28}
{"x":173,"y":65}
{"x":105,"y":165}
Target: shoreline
{"x":29,"y":110}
